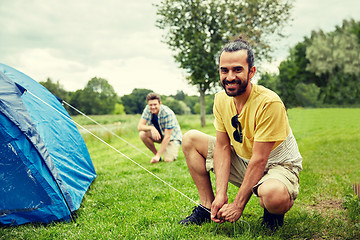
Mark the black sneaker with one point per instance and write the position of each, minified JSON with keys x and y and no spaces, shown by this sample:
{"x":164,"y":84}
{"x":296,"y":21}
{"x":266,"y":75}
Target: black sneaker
{"x":272,"y":221}
{"x":199,"y":215}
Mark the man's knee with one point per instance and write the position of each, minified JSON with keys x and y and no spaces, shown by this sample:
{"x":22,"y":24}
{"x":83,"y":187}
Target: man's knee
{"x":142,"y":134}
{"x":189,"y":138}
{"x":195,"y":140}
{"x":274,"y":196}
{"x":145,"y":136}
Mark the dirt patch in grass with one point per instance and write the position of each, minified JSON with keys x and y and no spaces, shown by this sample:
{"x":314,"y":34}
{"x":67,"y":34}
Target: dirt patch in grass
{"x":329,"y":208}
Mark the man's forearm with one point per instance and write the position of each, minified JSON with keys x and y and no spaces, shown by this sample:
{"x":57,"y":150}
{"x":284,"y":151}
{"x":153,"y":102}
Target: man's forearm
{"x":163,"y":145}
{"x":254,"y":173}
{"x":222,"y":169}
{"x":144,"y":127}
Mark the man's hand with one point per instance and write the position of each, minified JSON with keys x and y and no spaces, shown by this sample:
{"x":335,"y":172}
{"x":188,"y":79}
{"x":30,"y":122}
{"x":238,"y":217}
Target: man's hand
{"x":229,"y":212}
{"x":155,"y":134}
{"x":216,"y":205}
{"x":155,"y":159}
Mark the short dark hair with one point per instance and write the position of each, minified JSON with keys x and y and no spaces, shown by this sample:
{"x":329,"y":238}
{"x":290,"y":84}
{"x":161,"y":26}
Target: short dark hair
{"x":153,"y":96}
{"x":240,"y":44}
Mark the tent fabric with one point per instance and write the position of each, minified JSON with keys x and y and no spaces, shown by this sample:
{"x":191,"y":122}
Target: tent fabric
{"x":45,"y":167}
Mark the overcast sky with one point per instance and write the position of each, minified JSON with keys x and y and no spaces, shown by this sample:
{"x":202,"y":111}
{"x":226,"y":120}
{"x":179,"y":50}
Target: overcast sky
{"x":72,"y":41}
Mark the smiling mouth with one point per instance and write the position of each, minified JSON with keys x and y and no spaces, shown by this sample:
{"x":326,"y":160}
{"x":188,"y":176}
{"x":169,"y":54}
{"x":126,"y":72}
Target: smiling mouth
{"x":233,"y":83}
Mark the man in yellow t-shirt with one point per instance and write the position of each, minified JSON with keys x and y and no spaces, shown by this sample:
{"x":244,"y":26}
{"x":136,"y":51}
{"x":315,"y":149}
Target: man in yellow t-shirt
{"x":254,"y":147}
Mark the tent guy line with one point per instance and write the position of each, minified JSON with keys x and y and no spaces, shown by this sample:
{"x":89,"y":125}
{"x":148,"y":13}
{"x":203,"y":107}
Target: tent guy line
{"x":77,"y":110}
{"x":124,"y":155}
{"x":135,"y":162}
{"x":101,"y":140}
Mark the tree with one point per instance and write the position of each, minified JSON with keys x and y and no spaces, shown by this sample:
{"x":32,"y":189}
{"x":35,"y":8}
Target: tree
{"x":270,"y":80}
{"x":119,"y":109}
{"x":333,"y":52}
{"x":98,"y":97}
{"x":307,"y":94}
{"x":293,"y":71}
{"x":56,"y":89}
{"x":180,"y":95}
{"x":178,"y":107}
{"x":197,"y":30}
{"x":209,"y":103}
{"x":335,"y":58}
{"x":135,"y":102}
{"x":191,"y":102}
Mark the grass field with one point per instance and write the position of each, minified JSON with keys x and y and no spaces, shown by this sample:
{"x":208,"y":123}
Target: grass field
{"x":126,"y":202}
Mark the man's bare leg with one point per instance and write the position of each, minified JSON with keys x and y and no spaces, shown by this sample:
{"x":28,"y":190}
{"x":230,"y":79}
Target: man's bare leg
{"x":195,"y":148}
{"x":148,"y":141}
{"x":274,"y":196}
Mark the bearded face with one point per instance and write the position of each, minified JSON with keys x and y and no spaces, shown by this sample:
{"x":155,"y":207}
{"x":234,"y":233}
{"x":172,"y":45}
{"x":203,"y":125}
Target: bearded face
{"x":235,"y":87}
{"x":234,"y":72}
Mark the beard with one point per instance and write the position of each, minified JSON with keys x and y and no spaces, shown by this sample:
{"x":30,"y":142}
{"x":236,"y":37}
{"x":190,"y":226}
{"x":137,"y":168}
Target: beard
{"x":242,"y":87}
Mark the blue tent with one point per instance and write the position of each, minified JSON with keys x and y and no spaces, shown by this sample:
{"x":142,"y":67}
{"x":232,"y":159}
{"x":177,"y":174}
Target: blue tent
{"x":45,"y":167}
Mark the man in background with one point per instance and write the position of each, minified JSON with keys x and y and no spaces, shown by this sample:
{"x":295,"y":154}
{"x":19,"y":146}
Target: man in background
{"x":158,"y":124}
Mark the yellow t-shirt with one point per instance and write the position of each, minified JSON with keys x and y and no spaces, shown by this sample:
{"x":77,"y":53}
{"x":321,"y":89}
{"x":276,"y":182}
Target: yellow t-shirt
{"x":263,"y":119}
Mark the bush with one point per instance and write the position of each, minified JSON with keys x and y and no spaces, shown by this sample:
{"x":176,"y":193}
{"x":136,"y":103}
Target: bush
{"x":307,"y":94}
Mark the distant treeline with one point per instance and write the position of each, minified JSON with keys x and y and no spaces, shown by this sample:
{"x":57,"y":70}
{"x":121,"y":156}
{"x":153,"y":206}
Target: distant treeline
{"x":99,"y":97}
{"x":321,"y":71}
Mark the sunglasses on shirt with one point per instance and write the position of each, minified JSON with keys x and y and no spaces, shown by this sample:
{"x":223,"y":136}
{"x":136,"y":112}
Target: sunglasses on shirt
{"x":237,"y":134}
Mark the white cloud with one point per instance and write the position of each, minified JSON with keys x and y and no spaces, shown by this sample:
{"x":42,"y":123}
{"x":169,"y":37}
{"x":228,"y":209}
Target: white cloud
{"x":40,"y":64}
{"x":123,"y":74}
{"x":73,"y":41}
{"x":141,"y":72}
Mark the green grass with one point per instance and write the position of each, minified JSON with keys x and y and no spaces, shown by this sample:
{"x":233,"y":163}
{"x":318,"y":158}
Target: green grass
{"x":126,"y":202}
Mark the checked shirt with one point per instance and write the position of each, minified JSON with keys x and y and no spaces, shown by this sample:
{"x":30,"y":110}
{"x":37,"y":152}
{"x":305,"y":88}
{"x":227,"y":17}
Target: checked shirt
{"x":167,"y":120}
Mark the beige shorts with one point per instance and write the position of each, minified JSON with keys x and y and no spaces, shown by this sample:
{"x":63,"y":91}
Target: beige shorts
{"x":238,"y":167}
{"x":171,"y":151}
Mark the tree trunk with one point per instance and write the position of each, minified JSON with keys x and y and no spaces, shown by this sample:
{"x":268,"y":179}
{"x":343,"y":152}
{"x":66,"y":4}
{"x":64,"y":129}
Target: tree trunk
{"x":202,"y":107}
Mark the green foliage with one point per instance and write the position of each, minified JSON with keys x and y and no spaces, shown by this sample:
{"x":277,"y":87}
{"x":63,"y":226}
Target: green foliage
{"x":135,"y":102}
{"x":119,"y":108}
{"x":293,"y":71}
{"x":352,"y":204}
{"x":191,"y":102}
{"x":333,"y":52}
{"x":335,"y":58}
{"x":98,"y":97}
{"x":307,"y":94}
{"x":197,"y":31}
{"x":209,"y":102}
{"x":354,"y":28}
{"x":180,"y":95}
{"x":270,"y":80}
{"x":197,"y":108}
{"x":178,"y":106}
{"x":56,"y":89}
{"x":331,"y":61}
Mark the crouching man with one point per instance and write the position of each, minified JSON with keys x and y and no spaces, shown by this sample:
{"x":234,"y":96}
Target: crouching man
{"x":158,"y":124}
{"x":254,"y":147}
